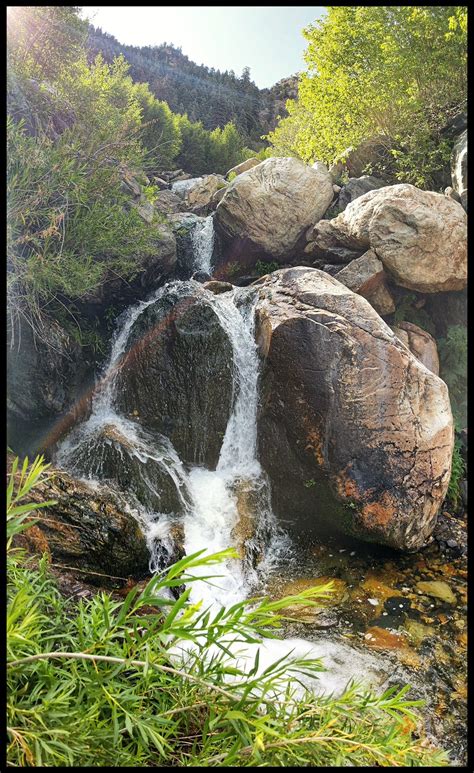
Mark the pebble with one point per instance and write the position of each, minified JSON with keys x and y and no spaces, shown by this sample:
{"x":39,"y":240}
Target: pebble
{"x":451,"y":543}
{"x":353,"y":553}
{"x":374,"y":602}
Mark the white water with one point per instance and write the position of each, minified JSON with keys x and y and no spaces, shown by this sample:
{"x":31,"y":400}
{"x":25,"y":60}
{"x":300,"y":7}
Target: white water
{"x":203,"y":244}
{"x":209,"y":497}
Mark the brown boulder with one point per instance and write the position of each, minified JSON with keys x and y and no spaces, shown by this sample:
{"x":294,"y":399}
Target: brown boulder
{"x":88,"y":527}
{"x":354,"y":433}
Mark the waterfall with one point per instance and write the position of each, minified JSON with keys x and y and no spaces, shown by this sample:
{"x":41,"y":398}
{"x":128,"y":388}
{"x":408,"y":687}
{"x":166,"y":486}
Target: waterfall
{"x":203,"y":244}
{"x":215,"y":493}
{"x":213,"y":501}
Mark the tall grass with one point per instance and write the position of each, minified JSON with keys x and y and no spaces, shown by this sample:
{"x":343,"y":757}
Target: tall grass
{"x":94,"y":683}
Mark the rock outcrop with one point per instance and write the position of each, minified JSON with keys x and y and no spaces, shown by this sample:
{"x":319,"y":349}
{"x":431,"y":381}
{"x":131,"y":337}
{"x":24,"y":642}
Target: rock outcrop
{"x":366,"y":276}
{"x":88,"y":527}
{"x":266,"y":210}
{"x":354,"y":433}
{"x":249,"y":163}
{"x":45,"y":373}
{"x":177,"y":374}
{"x":355,"y":187}
{"x":420,"y":236}
{"x":200,"y":198}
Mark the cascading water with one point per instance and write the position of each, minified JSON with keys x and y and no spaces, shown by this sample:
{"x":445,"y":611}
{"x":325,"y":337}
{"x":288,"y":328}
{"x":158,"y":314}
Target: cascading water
{"x":209,"y":498}
{"x":203,"y":244}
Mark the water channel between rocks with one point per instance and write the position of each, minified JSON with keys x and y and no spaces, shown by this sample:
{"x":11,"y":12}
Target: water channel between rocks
{"x":393,"y":618}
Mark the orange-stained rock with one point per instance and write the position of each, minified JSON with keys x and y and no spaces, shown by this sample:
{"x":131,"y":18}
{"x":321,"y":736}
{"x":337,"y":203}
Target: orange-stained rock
{"x":380,"y":638}
{"x":345,"y":405}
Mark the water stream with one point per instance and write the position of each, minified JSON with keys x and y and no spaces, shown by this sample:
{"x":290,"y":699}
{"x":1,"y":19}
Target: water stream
{"x":203,"y":244}
{"x":215,"y":503}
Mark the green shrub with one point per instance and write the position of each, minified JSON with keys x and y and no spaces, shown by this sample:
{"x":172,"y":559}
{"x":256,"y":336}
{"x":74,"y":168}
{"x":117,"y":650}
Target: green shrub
{"x":262,"y":268}
{"x":67,"y":227}
{"x":453,"y":369}
{"x":93,"y":682}
{"x":408,"y":310}
{"x":458,"y":471}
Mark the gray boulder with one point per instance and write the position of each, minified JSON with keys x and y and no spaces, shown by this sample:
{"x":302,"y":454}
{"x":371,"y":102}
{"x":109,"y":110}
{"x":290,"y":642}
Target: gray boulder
{"x":357,"y":186}
{"x":176,"y":377}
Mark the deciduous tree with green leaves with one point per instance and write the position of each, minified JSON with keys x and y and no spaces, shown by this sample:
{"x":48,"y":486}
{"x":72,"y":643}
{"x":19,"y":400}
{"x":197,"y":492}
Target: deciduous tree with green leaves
{"x":393,"y":72}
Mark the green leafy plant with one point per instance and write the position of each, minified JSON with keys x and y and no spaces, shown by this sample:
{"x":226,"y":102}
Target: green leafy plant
{"x":97,"y":680}
{"x":262,"y":267}
{"x":452,"y":351}
{"x":309,"y":483}
{"x":458,"y":471}
{"x":401,"y":79}
{"x":409,"y":310}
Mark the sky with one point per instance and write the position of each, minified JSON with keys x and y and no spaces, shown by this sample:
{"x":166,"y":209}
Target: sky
{"x":267,"y":39}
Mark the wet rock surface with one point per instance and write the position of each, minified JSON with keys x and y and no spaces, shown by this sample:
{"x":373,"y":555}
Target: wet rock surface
{"x":176,"y":377}
{"x":381,"y":604}
{"x":111,"y":456}
{"x":354,"y":433}
{"x":89,"y":527}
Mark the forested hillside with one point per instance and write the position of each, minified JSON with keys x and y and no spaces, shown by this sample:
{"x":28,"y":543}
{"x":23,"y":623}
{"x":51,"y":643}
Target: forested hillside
{"x":211,"y":96}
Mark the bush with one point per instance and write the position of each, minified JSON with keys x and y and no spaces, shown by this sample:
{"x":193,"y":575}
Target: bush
{"x":93,"y":682}
{"x":68,"y":229}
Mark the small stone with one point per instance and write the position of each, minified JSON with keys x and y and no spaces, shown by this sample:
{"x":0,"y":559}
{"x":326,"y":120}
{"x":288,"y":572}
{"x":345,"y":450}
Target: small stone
{"x":353,"y":553}
{"x":451,"y":543}
{"x":374,"y":602}
{"x":438,"y":589}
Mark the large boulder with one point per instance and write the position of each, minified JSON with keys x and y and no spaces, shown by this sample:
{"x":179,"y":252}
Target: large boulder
{"x":357,"y":186}
{"x":266,"y":210}
{"x":420,"y":236}
{"x":459,"y":168}
{"x":354,"y":432}
{"x":177,"y":374}
{"x":420,"y":343}
{"x":184,"y":226}
{"x":89,"y":527}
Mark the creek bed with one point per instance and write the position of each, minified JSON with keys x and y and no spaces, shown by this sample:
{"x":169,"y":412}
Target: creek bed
{"x":408,"y":609}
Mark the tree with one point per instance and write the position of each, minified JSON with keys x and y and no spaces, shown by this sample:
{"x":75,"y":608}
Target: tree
{"x":160,"y":132}
{"x":397,"y":72}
